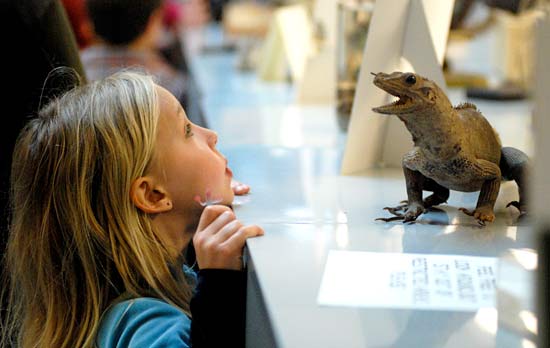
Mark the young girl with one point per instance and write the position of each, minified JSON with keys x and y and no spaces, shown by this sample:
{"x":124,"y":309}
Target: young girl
{"x":108,"y":188}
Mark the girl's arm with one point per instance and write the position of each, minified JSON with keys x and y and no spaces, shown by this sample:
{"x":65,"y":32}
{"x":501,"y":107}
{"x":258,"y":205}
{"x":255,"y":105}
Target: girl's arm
{"x":219,"y":304}
{"x":218,"y":309}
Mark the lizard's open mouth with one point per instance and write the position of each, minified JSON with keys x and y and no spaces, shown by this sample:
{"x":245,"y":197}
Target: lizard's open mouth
{"x":402,"y":103}
{"x":397,"y":87}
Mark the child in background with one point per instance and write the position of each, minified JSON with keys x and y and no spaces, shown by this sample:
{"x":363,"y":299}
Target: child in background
{"x":105,"y":184}
{"x":129,"y":35}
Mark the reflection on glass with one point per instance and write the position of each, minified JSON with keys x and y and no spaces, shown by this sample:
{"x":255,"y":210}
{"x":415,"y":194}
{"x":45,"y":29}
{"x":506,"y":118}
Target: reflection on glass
{"x":525,"y":343}
{"x":529,"y":320}
{"x":342,"y":236}
{"x":525,"y":257}
{"x":341,"y":217}
{"x":512,"y":232}
{"x":450,"y":228}
{"x":291,"y":133}
{"x":354,"y":17}
{"x":486,"y":318}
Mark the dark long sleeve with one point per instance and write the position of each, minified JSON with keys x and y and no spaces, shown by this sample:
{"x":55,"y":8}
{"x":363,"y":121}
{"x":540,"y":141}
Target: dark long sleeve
{"x":218,"y":309}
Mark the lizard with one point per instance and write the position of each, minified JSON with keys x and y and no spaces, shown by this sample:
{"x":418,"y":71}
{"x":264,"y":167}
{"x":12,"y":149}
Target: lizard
{"x":455,"y":148}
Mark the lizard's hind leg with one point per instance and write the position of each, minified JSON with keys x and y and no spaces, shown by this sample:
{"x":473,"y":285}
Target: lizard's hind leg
{"x":490,"y":172}
{"x":514,"y":165}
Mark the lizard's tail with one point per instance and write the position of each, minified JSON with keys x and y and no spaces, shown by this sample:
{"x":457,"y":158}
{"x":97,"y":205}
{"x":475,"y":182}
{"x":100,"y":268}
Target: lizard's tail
{"x":514,"y":165}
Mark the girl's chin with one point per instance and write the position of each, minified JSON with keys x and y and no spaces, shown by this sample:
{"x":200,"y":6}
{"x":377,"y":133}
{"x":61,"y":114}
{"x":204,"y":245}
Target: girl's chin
{"x":230,"y":198}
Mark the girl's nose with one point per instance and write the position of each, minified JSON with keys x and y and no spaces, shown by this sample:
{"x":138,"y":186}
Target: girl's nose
{"x":212,"y":138}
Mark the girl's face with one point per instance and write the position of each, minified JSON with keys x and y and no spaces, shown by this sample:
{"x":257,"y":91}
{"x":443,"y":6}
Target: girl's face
{"x":186,"y":159}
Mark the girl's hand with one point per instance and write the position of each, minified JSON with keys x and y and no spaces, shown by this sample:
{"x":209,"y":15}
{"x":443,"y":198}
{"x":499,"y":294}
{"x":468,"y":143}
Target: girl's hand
{"x":220,"y":238}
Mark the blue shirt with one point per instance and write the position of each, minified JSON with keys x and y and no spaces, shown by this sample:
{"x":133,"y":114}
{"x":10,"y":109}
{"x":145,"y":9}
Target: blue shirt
{"x":218,"y":307}
{"x":144,"y":322}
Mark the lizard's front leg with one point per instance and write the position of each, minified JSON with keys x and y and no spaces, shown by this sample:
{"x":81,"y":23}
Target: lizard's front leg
{"x":489,"y":191}
{"x":414,"y":180}
{"x":415,"y":206}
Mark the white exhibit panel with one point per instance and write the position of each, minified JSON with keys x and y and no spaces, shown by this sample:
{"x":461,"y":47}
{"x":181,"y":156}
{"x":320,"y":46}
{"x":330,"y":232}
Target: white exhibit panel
{"x":409,"y":281}
{"x":403,"y":35}
{"x":290,"y":47}
{"x":318,"y":83}
{"x":288,"y":44}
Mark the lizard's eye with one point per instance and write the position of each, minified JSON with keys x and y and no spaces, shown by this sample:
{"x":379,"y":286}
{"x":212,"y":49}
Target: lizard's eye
{"x":411,"y":80}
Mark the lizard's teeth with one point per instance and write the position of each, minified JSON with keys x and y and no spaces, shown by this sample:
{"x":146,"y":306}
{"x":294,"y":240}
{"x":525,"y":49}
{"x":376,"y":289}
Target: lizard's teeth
{"x":398,"y":102}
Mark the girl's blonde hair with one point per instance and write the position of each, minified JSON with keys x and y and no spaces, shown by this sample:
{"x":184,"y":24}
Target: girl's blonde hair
{"x":76,"y":241}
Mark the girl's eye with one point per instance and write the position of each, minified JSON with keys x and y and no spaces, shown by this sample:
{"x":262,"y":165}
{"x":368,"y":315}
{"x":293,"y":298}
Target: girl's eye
{"x":188,"y":130}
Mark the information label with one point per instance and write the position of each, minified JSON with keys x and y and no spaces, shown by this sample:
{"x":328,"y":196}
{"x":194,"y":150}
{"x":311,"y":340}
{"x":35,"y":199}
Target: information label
{"x":414,"y":281}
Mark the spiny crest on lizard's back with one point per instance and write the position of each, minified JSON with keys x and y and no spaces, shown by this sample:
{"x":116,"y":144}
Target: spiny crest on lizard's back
{"x":466,"y":105}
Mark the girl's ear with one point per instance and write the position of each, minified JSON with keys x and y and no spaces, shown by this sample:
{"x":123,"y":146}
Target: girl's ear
{"x":149,"y":197}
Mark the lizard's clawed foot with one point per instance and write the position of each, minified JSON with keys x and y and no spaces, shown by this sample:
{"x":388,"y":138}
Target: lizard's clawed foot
{"x":413,"y":211}
{"x":481,"y":214}
{"x":404,"y":212}
{"x":393,"y":218}
{"x":397,"y":210}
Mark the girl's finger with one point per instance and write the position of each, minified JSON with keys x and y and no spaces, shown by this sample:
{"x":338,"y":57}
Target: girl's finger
{"x":228,"y":230}
{"x":237,"y":239}
{"x":210,"y":214}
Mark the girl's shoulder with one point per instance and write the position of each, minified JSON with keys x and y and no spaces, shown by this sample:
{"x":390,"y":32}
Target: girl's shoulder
{"x":144,"y":322}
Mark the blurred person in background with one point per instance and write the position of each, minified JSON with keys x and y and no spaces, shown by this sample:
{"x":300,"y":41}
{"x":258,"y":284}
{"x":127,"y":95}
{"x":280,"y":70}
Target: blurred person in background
{"x":80,"y":22}
{"x":36,"y":39}
{"x":130,"y":34}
